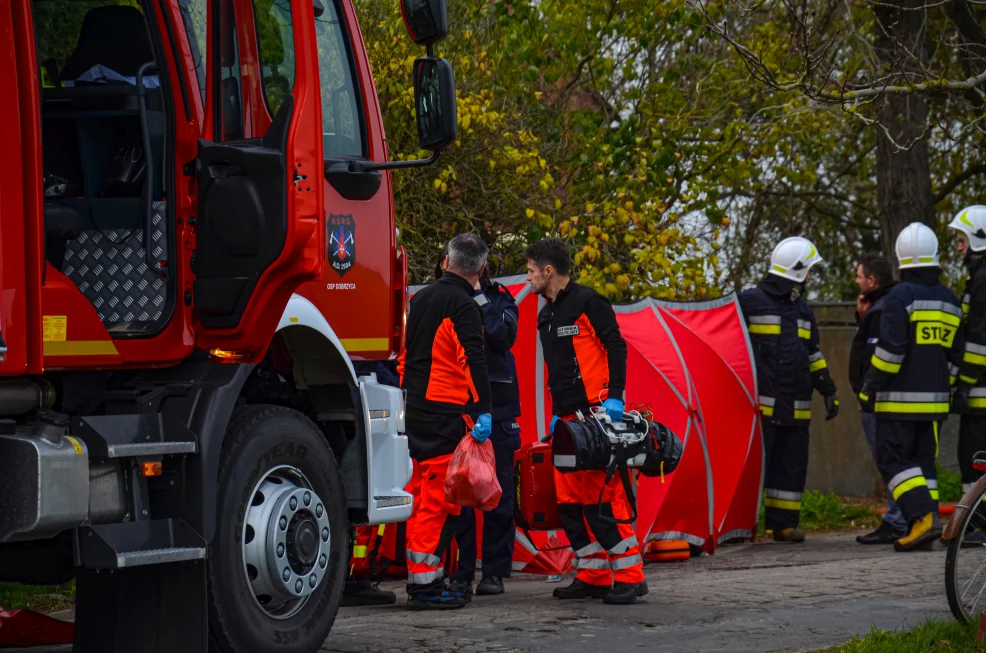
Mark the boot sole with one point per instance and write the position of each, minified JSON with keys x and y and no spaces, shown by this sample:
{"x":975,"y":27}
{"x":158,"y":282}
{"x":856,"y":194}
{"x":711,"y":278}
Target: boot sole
{"x":621,"y":600}
{"x":926,"y":542}
{"x":425,"y":607}
{"x":877,"y":543}
{"x":580,"y":597}
{"x":489,"y":592}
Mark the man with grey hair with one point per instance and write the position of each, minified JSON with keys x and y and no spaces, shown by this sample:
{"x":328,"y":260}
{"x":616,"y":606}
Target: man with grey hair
{"x":443,"y":321}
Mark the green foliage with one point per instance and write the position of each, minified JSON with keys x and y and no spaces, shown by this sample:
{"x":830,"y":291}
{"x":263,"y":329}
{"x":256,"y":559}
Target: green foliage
{"x":638,"y":135}
{"x":826,"y":512}
{"x":930,"y":637}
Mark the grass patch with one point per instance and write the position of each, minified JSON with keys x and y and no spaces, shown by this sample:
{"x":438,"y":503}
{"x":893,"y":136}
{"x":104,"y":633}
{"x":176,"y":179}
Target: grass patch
{"x":42,"y":598}
{"x":828,"y":512}
{"x":949,"y":485}
{"x":931,"y":637}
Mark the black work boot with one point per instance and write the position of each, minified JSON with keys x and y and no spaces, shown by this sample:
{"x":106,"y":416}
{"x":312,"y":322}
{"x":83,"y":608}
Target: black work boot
{"x":885,"y":534}
{"x":490,"y":586}
{"x":973,"y":539}
{"x":461,"y":588}
{"x":625,"y":593}
{"x":581,"y":590}
{"x":361,"y":592}
{"x":790,"y":536}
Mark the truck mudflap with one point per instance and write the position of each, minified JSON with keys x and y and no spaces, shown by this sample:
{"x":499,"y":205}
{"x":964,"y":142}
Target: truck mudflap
{"x":388,"y":461}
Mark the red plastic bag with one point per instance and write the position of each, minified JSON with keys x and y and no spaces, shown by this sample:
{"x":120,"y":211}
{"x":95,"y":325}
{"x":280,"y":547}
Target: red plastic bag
{"x":471,"y":480}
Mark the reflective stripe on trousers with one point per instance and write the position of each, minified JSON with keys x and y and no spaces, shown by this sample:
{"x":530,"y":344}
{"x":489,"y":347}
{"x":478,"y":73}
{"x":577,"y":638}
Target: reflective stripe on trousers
{"x":605,"y":550}
{"x":432,"y":524}
{"x":905,"y":481}
{"x":782,"y":500}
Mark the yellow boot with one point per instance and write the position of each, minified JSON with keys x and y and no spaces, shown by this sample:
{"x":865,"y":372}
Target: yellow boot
{"x":924,"y":531}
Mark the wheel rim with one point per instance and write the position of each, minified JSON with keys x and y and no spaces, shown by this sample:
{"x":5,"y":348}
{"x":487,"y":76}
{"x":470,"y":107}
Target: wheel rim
{"x":969,"y":569}
{"x":286,"y":541}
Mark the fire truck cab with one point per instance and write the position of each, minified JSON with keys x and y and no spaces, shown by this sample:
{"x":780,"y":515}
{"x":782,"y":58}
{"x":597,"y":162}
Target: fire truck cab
{"x":197,"y":242}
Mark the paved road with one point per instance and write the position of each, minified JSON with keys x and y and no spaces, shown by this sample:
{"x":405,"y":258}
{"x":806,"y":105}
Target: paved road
{"x":755,"y":597}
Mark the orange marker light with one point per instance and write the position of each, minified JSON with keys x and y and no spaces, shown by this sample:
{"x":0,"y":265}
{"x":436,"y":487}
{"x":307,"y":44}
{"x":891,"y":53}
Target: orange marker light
{"x":151,"y":469}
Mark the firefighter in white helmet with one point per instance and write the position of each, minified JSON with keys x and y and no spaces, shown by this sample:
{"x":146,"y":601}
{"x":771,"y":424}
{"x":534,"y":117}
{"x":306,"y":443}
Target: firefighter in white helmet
{"x":970,"y":392}
{"x":789,"y":367}
{"x":909,"y":382}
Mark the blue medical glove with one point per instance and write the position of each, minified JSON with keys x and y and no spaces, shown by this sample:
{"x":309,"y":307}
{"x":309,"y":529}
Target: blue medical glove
{"x":554,"y":420}
{"x":614,"y":408}
{"x":484,"y":426}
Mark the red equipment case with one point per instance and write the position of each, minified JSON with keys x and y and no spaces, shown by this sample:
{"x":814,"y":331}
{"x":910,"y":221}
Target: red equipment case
{"x":536,"y":506}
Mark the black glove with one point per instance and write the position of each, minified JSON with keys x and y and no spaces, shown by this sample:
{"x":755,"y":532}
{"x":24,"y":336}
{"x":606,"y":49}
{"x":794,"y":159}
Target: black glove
{"x":867,"y":399}
{"x":831,"y":407}
{"x":960,"y":400}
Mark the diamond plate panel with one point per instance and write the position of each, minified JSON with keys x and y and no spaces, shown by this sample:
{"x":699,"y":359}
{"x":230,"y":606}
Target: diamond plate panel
{"x":109,"y":268}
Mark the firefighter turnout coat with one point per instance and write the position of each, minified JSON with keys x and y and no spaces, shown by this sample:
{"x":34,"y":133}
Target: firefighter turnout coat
{"x":784,"y":336}
{"x":973,"y":363}
{"x":916,"y":360}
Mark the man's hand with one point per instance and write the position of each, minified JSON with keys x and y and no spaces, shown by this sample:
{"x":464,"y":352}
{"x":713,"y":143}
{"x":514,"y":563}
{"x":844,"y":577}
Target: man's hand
{"x":866,"y":399}
{"x":831,"y":407}
{"x":614,"y":408}
{"x":960,"y":400}
{"x":862,"y":305}
{"x":483,"y":428}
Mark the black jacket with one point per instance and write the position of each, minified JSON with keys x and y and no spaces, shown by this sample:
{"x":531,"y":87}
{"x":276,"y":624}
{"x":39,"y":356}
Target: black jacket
{"x":919,"y":349}
{"x":973,"y":363}
{"x":784,"y":336}
{"x":866,"y":338}
{"x":443,"y":366}
{"x":500,"y":318}
{"x":583,"y":348}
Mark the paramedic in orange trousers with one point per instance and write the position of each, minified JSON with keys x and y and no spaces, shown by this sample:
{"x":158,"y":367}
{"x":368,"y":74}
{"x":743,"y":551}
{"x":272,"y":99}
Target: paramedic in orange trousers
{"x":586,"y":358}
{"x":442,"y":369}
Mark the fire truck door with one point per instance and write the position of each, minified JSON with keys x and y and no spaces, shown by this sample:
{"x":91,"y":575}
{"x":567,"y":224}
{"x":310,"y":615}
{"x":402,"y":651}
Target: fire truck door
{"x":260,"y":191}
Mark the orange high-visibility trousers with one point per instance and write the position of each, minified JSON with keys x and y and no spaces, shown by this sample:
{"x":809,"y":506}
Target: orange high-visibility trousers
{"x":431,"y":526}
{"x":604,"y":550}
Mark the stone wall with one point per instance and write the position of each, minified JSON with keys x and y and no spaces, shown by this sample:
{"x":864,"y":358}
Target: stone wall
{"x":840,"y":459}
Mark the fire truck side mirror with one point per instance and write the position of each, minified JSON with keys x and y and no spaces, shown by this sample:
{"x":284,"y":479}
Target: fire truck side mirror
{"x":426,"y":21}
{"x":434,"y":99}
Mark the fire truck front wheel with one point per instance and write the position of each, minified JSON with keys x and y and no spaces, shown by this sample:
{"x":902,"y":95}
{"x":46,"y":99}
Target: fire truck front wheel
{"x":278,"y":561}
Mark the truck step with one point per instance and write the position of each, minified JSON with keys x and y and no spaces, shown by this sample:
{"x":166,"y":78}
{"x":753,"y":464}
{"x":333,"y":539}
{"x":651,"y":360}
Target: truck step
{"x":160,"y":556}
{"x":134,"y":435}
{"x":138,"y":544}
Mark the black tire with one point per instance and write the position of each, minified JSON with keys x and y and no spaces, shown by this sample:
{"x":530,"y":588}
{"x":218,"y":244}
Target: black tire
{"x":951,"y":559}
{"x":260,"y":438}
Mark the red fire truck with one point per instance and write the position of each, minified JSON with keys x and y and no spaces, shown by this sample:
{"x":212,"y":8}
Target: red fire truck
{"x":197,"y":239}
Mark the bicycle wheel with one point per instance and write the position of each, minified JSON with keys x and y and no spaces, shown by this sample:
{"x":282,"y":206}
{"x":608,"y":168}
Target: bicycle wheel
{"x":965,"y":565}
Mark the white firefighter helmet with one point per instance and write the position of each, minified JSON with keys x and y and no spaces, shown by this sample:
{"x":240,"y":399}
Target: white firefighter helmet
{"x":971,"y":221}
{"x":917,"y":246}
{"x":793,"y":257}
